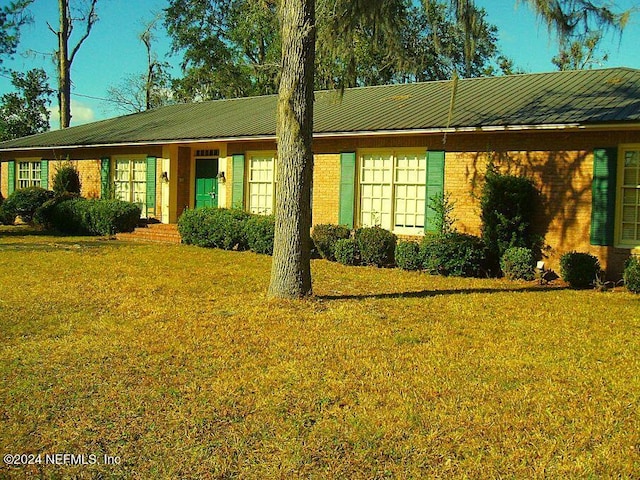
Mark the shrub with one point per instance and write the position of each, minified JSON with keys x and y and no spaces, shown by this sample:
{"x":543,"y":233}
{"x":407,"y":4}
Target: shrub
{"x":518,"y":263}
{"x":579,"y":269}
{"x":214,"y":227}
{"x":66,"y":179}
{"x":408,"y":256}
{"x":24,"y":203}
{"x":91,"y":217}
{"x":632,"y":275}
{"x":44,"y":215}
{"x":325,"y":237}
{"x":259,"y":230}
{"x":346,"y":251}
{"x":508,"y":206}
{"x":455,"y":254}
{"x":376,"y":246}
{"x":6,"y":218}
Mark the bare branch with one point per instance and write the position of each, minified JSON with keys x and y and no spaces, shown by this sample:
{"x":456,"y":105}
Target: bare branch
{"x":91,"y":18}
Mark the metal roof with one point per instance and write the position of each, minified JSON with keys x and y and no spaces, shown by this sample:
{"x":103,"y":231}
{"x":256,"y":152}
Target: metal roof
{"x":582,"y":97}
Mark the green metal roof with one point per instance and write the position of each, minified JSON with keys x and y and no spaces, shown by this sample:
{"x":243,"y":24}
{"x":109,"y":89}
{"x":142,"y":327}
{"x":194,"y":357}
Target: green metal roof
{"x":584,"y":97}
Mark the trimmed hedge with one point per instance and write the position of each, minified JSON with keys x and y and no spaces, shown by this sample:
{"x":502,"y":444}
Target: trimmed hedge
{"x":518,"y":263}
{"x":325,"y":236}
{"x":376,"y":246}
{"x":408,"y":255}
{"x":579,"y":269}
{"x":346,"y":251}
{"x":90,"y":217}
{"x":214,"y":228}
{"x":259,"y":230}
{"x":632,"y":275}
{"x":455,"y":254}
{"x":66,"y":180}
{"x":24,"y":203}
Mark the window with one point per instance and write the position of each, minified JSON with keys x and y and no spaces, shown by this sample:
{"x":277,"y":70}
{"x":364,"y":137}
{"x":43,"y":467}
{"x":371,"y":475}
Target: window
{"x":29,"y":174}
{"x":130,"y":181}
{"x":262,"y":183}
{"x":629,"y":219}
{"x":392,"y":190}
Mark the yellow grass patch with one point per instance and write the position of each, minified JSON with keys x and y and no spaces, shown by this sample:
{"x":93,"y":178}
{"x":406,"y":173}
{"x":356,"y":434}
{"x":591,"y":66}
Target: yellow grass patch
{"x":171,"y":359}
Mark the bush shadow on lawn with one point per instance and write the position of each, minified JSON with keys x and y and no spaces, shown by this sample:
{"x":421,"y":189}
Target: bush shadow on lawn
{"x":435,"y":293}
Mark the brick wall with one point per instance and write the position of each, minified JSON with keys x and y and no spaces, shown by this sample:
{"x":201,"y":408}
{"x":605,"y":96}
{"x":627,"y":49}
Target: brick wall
{"x":326,"y":188}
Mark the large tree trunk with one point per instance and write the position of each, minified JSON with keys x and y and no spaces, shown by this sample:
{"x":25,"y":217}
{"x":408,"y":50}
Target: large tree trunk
{"x":64,"y":66}
{"x":291,"y":268}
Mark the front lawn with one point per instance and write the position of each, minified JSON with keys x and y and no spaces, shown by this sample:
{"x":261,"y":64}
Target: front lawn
{"x":170,"y":360}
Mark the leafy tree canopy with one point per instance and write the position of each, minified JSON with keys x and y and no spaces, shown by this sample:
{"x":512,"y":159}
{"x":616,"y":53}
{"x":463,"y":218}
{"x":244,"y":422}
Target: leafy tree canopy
{"x":25,"y":112}
{"x":12,"y":17}
{"x":233,"y":48}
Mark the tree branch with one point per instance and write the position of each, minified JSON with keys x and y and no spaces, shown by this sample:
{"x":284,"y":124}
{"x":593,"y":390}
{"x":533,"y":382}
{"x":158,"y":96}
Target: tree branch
{"x":91,"y":19}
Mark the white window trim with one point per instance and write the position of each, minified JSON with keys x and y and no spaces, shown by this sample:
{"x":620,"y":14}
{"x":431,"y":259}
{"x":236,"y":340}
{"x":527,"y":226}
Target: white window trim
{"x":395,"y":152}
{"x":131,"y":159}
{"x":249,"y":156}
{"x":33,"y":180}
{"x":619,"y":242}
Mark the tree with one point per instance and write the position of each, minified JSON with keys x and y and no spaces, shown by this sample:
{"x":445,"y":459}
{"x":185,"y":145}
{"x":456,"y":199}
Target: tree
{"x":86,"y":17}
{"x":580,"y":54}
{"x":151,"y":89}
{"x":12,"y":17}
{"x":25,"y":112}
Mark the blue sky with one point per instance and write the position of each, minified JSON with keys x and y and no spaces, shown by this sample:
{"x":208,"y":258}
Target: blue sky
{"x":113,"y":50}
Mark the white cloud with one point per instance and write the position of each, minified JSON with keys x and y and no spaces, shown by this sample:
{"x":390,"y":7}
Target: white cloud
{"x":80,"y":113}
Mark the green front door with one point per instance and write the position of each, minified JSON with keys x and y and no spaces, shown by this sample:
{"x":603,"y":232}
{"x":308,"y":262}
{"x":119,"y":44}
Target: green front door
{"x":206,"y":183}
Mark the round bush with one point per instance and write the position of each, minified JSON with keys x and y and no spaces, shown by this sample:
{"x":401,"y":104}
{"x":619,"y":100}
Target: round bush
{"x":408,"y":256}
{"x":455,"y":254}
{"x":325,"y":236}
{"x":259,"y":230}
{"x":518,"y":263}
{"x":376,"y":246}
{"x":6,"y":217}
{"x":66,"y":179}
{"x":579,"y":269}
{"x":25,"y":201}
{"x":346,"y":251}
{"x":632,"y":275}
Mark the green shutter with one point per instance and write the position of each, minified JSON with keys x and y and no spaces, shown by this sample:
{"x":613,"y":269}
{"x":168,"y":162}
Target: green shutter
{"x":603,"y":196}
{"x":151,"y":186}
{"x":105,"y":174}
{"x":44,"y":174}
{"x":237,"y":184}
{"x":346,"y":207}
{"x":434,"y":187}
{"x":11,"y":177}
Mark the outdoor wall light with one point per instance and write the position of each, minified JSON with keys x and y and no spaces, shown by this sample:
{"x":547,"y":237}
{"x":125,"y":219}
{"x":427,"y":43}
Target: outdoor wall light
{"x":164,"y":178}
{"x":221,"y":177}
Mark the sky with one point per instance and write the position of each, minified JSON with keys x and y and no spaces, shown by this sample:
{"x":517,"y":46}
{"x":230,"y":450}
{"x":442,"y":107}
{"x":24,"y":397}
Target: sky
{"x":113,"y":50}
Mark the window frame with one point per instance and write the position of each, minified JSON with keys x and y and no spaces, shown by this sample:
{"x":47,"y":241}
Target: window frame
{"x":131,"y":159}
{"x":34,"y":180}
{"x":249,"y":156}
{"x":619,"y":192}
{"x":395,"y":153}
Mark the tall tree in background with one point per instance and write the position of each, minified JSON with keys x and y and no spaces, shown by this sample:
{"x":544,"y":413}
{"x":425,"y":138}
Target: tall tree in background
{"x":152,"y":89}
{"x":25,"y":111}
{"x":12,"y":17}
{"x":85,"y":17}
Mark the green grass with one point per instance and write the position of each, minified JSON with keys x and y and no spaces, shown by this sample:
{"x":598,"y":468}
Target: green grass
{"x":171,"y":358}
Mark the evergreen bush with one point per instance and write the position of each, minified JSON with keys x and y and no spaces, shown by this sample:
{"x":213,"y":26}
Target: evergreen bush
{"x":579,"y":269}
{"x":508,"y":204}
{"x":408,"y":255}
{"x":90,"y":217}
{"x":214,"y":227}
{"x":325,"y":236}
{"x":632,"y":274}
{"x":518,"y":263}
{"x":259,"y":230}
{"x":455,"y":254}
{"x":66,"y":179}
{"x":376,"y":246}
{"x":346,"y":251}
{"x":24,"y":203}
